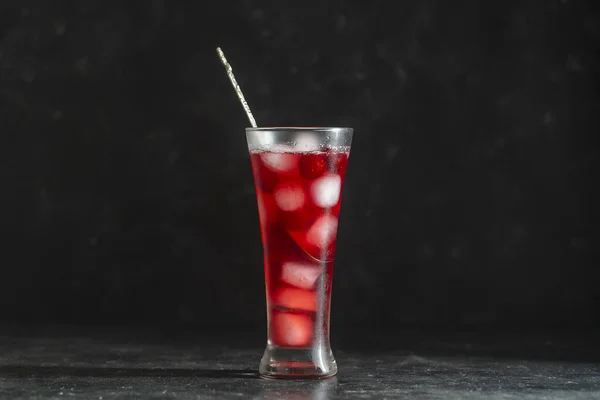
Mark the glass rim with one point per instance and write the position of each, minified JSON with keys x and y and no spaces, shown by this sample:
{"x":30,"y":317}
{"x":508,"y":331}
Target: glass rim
{"x":301,"y":128}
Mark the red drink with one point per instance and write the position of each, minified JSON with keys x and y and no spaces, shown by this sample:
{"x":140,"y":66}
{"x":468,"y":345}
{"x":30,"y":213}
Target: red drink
{"x":299,"y":197}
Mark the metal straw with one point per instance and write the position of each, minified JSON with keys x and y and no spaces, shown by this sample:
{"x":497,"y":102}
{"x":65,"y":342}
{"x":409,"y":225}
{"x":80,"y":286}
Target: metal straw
{"x":236,"y":87}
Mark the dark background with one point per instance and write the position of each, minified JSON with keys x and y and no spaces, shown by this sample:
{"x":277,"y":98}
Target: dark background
{"x":470,"y":202}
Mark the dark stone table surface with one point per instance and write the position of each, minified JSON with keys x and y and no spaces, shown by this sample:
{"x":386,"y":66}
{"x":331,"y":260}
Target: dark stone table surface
{"x":113,"y":365}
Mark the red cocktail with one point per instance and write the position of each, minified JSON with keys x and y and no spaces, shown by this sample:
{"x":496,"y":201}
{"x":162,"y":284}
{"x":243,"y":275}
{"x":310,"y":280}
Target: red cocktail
{"x":299,"y":191}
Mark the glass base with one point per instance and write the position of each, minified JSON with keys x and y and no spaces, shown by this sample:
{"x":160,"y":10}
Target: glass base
{"x":293,"y":363}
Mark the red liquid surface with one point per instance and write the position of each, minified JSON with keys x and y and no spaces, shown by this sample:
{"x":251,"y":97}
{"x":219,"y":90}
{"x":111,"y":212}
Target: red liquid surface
{"x":299,"y":197}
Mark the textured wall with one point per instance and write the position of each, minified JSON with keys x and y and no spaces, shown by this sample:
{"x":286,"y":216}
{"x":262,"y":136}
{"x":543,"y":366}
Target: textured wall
{"x":127,"y":194}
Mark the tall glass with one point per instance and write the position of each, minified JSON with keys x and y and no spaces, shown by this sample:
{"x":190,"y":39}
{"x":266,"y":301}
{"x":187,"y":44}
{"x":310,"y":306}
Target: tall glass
{"x":299,"y":175}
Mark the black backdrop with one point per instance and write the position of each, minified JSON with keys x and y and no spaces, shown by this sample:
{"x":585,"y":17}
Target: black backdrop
{"x":127,"y":195}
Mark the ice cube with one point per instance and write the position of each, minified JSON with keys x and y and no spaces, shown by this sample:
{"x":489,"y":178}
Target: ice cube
{"x":326,"y":190}
{"x":279,"y":159}
{"x":291,"y":330}
{"x":319,"y":240}
{"x":323,"y":232}
{"x":295,"y":299}
{"x":289,"y":196}
{"x":306,"y":142}
{"x":299,"y":274}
